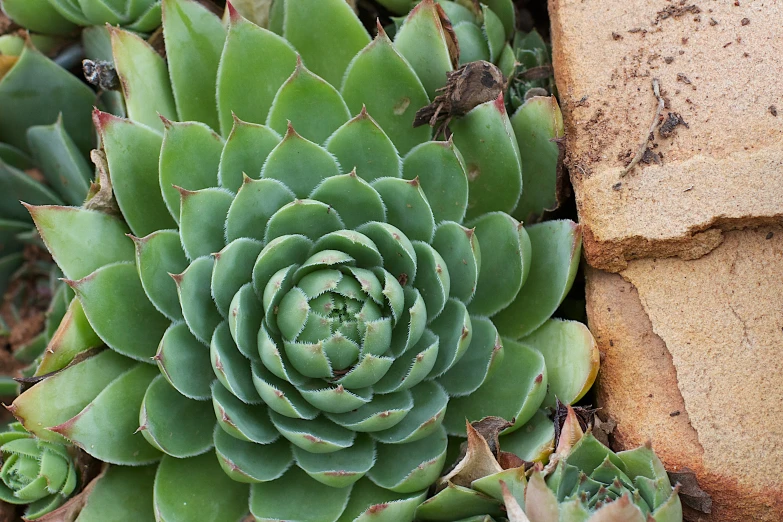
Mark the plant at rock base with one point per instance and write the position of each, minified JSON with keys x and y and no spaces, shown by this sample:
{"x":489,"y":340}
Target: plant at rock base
{"x":34,"y":472}
{"x":331,"y":319}
{"x":583,"y":482}
{"x":532,"y":74}
{"x":586,"y":481}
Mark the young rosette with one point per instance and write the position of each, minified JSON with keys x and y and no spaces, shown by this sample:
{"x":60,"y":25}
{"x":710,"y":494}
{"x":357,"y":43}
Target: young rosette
{"x":586,"y":481}
{"x":35,"y":472}
{"x":61,"y":17}
{"x":310,"y":300}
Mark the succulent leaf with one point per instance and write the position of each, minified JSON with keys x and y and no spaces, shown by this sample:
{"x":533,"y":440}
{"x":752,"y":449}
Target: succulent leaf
{"x":556,"y":247}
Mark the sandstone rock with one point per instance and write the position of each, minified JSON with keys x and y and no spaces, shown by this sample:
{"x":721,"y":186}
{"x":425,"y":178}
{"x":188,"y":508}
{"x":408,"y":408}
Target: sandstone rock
{"x":692,"y":361}
{"x":719,"y":68}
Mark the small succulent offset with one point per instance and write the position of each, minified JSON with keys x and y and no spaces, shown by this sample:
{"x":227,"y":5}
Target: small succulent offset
{"x":584,"y":482}
{"x":40,"y":474}
{"x":299,"y":291}
{"x":63,"y":17}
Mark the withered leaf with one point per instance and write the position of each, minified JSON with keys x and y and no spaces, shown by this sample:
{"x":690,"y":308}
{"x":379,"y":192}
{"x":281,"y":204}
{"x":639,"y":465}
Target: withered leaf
{"x":691,"y":493}
{"x":479,"y":462}
{"x":467,"y":87}
{"x":101,"y":196}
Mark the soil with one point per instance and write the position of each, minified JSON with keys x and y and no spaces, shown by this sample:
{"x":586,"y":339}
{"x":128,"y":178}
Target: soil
{"x":24,"y":306}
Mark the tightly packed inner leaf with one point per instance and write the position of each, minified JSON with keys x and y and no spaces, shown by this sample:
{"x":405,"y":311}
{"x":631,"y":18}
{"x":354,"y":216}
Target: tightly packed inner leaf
{"x":41,"y":474}
{"x":293,"y":291}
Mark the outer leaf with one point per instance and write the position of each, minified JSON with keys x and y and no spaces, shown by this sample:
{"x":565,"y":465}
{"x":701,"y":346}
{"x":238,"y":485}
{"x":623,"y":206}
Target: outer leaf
{"x":244,"y":153}
{"x":145,"y":79}
{"x":295,"y":497}
{"x":424,"y":42}
{"x":503,"y":271}
{"x":370,"y":503}
{"x":534,"y":442}
{"x":132,"y":151}
{"x":571,"y":356}
{"x":197,"y":489}
{"x":157,"y":257}
{"x":194,"y":42}
{"x":354,"y":200}
{"x":460,"y":248}
{"x":63,"y":165}
{"x":184,"y":362}
{"x":251,"y":56}
{"x":124,"y":492}
{"x":326,"y":33}
{"x":255,"y":203}
{"x":441,"y":172}
{"x":556,"y":247}
{"x":38,"y":16}
{"x":537,"y":124}
{"x":407,"y":207}
{"x":361,"y":144}
{"x":106,"y":428}
{"x":301,"y":97}
{"x":249,"y":462}
{"x":410,"y":467}
{"x":58,"y":398}
{"x":484,"y":354}
{"x":174,"y":424}
{"x":299,"y":164}
{"x":515,"y":390}
{"x":74,"y":335}
{"x":383,"y":81}
{"x":34,"y":92}
{"x":82,"y":240}
{"x":119,"y":311}
{"x":486,"y":140}
{"x":189,"y":159}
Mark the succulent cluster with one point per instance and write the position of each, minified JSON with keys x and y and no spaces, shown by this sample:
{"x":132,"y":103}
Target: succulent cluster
{"x":40,"y":474}
{"x":584,"y":482}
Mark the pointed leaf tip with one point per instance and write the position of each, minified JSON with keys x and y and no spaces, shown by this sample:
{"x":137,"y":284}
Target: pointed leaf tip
{"x":381,"y":30}
{"x":101,"y":119}
{"x":167,"y":123}
{"x":233,"y":14}
{"x":500,"y":103}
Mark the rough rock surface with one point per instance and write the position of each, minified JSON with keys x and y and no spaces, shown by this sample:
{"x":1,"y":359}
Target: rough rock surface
{"x":691,"y":361}
{"x":719,"y":67}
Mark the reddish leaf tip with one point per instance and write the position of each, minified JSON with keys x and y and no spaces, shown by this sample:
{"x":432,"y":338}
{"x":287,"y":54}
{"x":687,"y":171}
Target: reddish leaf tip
{"x":353,"y":173}
{"x":177,"y":277}
{"x":233,"y":14}
{"x":500,"y":104}
{"x":381,"y":30}
{"x":414,"y":182}
{"x":167,"y":123}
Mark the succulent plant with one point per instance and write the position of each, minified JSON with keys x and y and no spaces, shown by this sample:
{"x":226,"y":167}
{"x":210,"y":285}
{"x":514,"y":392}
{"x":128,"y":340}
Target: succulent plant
{"x":584,"y":482}
{"x":330,"y":317}
{"x":62,"y":17}
{"x":532,"y":74}
{"x":483,"y":30}
{"x":34,"y":472}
